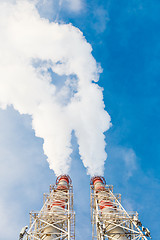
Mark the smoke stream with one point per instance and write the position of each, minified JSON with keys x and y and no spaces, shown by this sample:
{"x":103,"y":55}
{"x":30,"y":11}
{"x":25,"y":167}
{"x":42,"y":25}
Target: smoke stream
{"x":47,"y":71}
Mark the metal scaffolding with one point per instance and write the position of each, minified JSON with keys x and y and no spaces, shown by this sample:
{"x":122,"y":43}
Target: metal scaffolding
{"x":56,"y":219}
{"x":110,"y":220}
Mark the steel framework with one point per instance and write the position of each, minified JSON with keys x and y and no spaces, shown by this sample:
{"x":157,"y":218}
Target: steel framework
{"x":56,"y":219}
{"x":115,"y":222}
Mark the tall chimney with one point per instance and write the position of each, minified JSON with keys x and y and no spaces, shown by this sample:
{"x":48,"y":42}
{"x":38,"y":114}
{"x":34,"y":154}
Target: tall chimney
{"x":109,"y":218}
{"x":56,"y":220}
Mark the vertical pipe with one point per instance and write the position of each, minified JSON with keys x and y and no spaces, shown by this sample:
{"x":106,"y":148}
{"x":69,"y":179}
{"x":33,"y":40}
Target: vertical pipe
{"x":58,"y":205}
{"x":107,"y":208}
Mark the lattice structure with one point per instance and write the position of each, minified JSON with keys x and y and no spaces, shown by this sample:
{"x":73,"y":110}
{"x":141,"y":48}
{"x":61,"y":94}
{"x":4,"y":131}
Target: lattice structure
{"x":56,"y":220}
{"x":109,"y":219}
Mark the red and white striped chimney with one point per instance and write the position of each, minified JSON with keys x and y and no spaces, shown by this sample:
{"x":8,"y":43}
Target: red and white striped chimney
{"x":107,"y":207}
{"x":99,"y":186}
{"x":58,"y":205}
{"x":62,"y":183}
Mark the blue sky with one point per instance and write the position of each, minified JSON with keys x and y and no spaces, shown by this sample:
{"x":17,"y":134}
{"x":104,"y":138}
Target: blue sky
{"x":125,"y":39}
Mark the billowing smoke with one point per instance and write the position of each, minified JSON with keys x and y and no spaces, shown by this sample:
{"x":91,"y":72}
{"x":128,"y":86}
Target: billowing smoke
{"x":47,"y":71}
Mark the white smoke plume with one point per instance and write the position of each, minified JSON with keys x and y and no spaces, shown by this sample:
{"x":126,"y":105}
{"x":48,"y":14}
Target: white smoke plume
{"x":47,"y":71}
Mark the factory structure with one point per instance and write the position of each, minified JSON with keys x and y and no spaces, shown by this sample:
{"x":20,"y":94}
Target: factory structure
{"x":110,"y":221}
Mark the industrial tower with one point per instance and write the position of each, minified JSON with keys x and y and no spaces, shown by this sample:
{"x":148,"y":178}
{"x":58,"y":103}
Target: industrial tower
{"x":56,"y":219}
{"x":109,"y":219}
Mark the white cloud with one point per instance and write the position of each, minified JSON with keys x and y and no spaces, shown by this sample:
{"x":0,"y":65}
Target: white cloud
{"x":32,"y":49}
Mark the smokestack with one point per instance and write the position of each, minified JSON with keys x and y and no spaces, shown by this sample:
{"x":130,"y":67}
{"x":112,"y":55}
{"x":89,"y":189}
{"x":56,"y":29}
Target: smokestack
{"x":109,"y":218}
{"x":63,"y":182}
{"x":58,"y":206}
{"x":56,"y":218}
{"x":106,"y":207}
{"x":99,"y":186}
